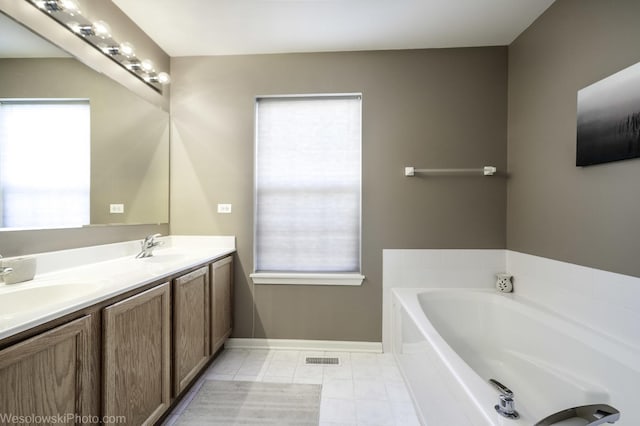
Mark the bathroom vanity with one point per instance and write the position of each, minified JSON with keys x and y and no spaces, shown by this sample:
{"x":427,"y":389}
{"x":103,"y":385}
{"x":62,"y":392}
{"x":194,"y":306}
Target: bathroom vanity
{"x":125,"y":352}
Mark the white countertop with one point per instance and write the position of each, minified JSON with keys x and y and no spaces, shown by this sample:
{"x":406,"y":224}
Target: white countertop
{"x":70,"y":280}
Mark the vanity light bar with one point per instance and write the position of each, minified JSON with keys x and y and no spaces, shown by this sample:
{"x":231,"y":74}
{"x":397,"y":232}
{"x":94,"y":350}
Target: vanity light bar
{"x":98,"y":34}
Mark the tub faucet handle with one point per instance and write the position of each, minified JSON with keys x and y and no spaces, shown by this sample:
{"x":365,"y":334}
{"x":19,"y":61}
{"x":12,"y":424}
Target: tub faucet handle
{"x":507,"y":405}
{"x":502,"y":388}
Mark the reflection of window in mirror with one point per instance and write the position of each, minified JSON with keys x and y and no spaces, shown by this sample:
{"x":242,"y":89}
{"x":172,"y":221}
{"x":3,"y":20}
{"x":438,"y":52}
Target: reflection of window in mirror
{"x":44,"y":162}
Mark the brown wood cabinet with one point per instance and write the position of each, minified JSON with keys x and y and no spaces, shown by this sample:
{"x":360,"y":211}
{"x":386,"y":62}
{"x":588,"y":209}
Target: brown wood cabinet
{"x":136,"y":371}
{"x":191,"y":326}
{"x":118,"y":358}
{"x":48,"y":375}
{"x":221,"y":301}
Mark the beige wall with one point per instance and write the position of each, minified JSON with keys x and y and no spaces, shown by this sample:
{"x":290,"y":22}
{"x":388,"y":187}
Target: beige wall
{"x":426,"y":108}
{"x":589,"y":215}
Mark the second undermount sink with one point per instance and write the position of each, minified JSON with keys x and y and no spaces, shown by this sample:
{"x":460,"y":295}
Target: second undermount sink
{"x":22,"y":300}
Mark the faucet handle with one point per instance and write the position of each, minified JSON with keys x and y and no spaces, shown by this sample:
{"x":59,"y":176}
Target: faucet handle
{"x":149,"y":239}
{"x":507,"y":405}
{"x":502,"y":388}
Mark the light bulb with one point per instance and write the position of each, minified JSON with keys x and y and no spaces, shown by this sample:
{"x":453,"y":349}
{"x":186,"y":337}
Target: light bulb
{"x":163,"y":78}
{"x":147,"y":65}
{"x":71,"y":7}
{"x":126,"y":49}
{"x":42,"y":4}
{"x":101,"y":29}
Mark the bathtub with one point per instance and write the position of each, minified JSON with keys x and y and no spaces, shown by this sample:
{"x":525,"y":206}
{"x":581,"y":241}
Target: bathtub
{"x":449,"y":342}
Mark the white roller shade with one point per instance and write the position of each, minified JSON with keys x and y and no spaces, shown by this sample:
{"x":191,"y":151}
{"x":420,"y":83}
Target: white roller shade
{"x":308,"y":180}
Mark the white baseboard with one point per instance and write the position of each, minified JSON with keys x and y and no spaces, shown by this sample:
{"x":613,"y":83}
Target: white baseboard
{"x":307,"y":345}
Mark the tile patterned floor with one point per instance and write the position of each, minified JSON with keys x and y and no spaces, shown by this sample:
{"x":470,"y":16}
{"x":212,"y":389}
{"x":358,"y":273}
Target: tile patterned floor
{"x":365,"y":389}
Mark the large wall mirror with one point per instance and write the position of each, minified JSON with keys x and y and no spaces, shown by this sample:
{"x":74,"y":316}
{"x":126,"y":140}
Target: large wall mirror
{"x":74,"y":143}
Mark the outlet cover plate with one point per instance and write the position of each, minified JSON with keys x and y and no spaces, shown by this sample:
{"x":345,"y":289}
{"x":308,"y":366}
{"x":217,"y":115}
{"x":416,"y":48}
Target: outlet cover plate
{"x":224,"y":208}
{"x":116,"y":208}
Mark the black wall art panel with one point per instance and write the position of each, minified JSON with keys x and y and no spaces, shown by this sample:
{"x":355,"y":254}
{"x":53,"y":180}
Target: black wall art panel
{"x":609,"y":119}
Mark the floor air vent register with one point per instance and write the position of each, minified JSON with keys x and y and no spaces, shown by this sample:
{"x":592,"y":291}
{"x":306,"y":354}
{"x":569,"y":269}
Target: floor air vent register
{"x":322,"y":360}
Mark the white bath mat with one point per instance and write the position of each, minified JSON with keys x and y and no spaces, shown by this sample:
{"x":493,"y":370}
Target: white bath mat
{"x":253,"y":403}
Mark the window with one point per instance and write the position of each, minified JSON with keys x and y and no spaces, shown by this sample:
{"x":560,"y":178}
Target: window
{"x":44,"y":163}
{"x":308,"y":180}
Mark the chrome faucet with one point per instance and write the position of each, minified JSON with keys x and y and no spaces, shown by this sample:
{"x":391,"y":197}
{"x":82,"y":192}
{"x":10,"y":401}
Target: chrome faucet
{"x":507,"y":405}
{"x":5,"y":270}
{"x":147,"y":246}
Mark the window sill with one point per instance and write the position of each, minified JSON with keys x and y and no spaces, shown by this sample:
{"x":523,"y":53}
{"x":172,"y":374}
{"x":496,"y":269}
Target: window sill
{"x":306,"y":279}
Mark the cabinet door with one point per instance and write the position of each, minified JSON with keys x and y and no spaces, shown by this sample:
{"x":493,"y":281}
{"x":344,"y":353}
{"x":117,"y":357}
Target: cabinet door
{"x":191,"y":326}
{"x":136,"y":366}
{"x":221,"y":301}
{"x":48,"y":375}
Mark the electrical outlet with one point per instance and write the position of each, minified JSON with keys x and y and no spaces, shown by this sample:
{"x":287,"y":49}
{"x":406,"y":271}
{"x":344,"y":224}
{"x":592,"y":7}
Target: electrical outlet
{"x":116,"y":208}
{"x":224,"y":208}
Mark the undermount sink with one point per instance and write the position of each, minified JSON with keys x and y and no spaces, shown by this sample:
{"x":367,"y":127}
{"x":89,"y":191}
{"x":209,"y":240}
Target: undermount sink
{"x":22,"y":300}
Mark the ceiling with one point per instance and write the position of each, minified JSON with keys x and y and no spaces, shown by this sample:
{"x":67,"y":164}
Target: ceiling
{"x":232,"y":27}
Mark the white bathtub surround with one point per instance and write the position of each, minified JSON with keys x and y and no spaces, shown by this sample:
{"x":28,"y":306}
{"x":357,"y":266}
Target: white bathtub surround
{"x":606,"y":302}
{"x":458,"y":339}
{"x":69,"y":280}
{"x":434,"y":268}
{"x":568,"y":336}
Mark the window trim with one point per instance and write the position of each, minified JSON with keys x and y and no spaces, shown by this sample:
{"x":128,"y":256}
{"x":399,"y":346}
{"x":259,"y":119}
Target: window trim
{"x":307,"y":278}
{"x":303,"y":278}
